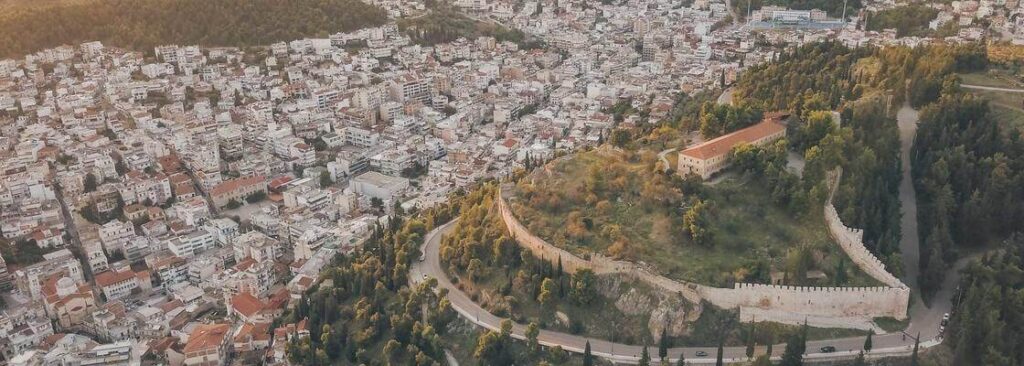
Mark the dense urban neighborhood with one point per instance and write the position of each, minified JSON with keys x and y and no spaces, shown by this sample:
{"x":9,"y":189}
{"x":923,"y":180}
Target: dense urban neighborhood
{"x":419,"y":190}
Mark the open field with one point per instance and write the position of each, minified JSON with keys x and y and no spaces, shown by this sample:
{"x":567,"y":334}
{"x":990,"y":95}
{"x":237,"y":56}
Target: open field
{"x":638,"y":215}
{"x":1008,"y":108}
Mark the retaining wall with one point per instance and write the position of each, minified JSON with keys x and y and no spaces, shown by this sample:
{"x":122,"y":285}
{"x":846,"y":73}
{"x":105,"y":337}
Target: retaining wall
{"x":775,"y":303}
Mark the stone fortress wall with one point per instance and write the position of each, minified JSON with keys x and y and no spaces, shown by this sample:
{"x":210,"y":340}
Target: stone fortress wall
{"x":851,"y":240}
{"x":848,"y":307}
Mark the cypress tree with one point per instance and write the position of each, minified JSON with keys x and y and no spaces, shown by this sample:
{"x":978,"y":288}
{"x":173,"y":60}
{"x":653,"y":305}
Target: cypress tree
{"x":913,"y":356}
{"x":719,"y":358}
{"x":588,"y":359}
{"x":663,"y":345}
{"x":750,"y":341}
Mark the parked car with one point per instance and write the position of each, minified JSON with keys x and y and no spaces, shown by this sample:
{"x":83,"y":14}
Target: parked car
{"x":702,"y":354}
{"x":828,"y":349}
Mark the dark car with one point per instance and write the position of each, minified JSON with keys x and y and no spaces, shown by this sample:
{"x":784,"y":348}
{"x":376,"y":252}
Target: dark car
{"x":828,"y":349}
{"x":702,"y":354}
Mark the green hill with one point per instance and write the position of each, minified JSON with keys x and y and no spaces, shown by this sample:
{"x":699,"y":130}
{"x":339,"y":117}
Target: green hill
{"x":613,"y":203}
{"x":144,"y":24}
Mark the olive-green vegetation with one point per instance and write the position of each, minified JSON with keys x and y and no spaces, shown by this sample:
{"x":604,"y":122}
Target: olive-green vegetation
{"x":908,"y":20}
{"x":144,"y":24}
{"x":833,"y":7}
{"x":22,"y":252}
{"x":866,"y":85}
{"x":444,"y":24}
{"x":720,"y":119}
{"x":1007,"y":108}
{"x":510,"y":282}
{"x":614,"y":203}
{"x":987,"y":326}
{"x":369,"y":314}
{"x":968,"y":175}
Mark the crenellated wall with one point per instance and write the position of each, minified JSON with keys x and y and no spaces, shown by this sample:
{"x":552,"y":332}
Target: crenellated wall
{"x":852,"y":240}
{"x":831,"y":306}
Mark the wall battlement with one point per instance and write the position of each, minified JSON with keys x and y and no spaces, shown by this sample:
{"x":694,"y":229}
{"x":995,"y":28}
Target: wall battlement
{"x":775,"y":302}
{"x":852,"y":241}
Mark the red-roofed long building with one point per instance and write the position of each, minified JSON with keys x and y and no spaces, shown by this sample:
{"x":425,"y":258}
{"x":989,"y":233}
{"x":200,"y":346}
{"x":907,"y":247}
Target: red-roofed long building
{"x":712,"y":156}
{"x":237,"y":189}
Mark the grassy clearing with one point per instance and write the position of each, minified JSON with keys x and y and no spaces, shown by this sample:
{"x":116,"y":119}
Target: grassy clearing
{"x":993,"y":78}
{"x":1007,"y":108}
{"x":753,"y":235}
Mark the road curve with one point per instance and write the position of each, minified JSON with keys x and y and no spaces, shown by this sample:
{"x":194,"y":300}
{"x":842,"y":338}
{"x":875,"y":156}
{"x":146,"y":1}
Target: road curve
{"x":924,"y":320}
{"x":892,"y":344}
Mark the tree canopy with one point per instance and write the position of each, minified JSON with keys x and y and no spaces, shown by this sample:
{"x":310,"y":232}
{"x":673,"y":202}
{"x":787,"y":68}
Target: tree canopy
{"x":145,"y":24}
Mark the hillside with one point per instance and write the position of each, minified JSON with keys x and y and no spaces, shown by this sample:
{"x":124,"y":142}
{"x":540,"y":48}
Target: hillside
{"x":144,"y":24}
{"x":614,"y":203}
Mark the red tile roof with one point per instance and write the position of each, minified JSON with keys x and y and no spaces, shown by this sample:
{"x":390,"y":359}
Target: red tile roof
{"x":206,"y":337}
{"x":107,"y":278}
{"x":234,"y":184}
{"x":723,"y":144}
{"x":246,"y":304}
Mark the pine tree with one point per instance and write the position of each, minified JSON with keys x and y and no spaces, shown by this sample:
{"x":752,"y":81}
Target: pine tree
{"x":681,"y":361}
{"x":588,"y":359}
{"x":867,"y":342}
{"x":645,"y":357}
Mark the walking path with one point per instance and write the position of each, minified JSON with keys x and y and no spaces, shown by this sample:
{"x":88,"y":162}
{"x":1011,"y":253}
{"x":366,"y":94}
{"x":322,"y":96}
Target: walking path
{"x":909,"y":244}
{"x":664,"y":161}
{"x":992,"y":88}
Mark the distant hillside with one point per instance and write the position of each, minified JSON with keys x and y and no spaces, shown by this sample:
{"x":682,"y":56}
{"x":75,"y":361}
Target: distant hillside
{"x":143,"y":24}
{"x":833,"y":7}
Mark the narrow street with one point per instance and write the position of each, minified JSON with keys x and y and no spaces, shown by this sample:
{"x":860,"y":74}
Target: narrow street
{"x":76,"y":242}
{"x":909,"y":244}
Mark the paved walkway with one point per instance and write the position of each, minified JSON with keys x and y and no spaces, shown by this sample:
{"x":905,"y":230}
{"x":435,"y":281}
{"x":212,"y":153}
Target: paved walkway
{"x":907,"y":119}
{"x":992,"y":88}
{"x":664,"y":161}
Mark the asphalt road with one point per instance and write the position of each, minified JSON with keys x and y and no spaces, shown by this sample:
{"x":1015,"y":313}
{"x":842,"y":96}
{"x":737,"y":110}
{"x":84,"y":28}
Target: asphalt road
{"x":887,"y":344}
{"x":924,"y":320}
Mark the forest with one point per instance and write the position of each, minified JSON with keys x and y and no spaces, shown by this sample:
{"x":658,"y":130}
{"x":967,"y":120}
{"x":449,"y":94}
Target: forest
{"x":369,"y":314}
{"x":145,"y":24}
{"x":908,"y":20}
{"x":968,"y":174}
{"x":446,"y":24}
{"x":987,"y":327}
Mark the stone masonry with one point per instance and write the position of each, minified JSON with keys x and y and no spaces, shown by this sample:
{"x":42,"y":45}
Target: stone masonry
{"x":819,"y":306}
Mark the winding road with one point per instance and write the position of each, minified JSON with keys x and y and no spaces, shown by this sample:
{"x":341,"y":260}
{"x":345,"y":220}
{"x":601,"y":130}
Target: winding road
{"x":924,"y":320}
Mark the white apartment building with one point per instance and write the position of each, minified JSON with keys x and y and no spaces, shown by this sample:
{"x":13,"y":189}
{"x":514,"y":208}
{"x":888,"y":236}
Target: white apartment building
{"x":190,"y":244}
